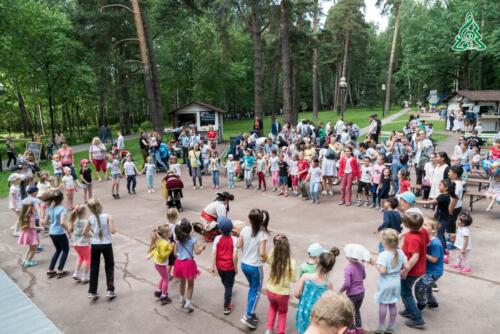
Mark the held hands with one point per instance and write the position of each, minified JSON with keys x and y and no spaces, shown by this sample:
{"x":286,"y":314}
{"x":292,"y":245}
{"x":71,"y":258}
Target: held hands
{"x":213,"y":271}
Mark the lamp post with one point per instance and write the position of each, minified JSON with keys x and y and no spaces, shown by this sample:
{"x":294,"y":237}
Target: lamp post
{"x":2,"y":87}
{"x":383,"y":102}
{"x":343,"y":90}
{"x":425,"y":93}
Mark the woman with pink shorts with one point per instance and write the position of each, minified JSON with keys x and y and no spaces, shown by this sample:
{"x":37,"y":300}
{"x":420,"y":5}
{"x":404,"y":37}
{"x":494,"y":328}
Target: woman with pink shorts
{"x":97,"y":154}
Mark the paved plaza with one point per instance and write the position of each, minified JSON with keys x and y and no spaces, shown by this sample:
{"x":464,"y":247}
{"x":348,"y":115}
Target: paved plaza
{"x":467,"y":304}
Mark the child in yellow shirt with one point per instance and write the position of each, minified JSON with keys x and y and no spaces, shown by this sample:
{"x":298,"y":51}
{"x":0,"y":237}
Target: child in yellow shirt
{"x":160,"y":249}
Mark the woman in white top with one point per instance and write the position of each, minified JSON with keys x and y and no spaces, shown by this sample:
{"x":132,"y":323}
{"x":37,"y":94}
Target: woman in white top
{"x":101,"y":227}
{"x":423,"y":149}
{"x":252,"y":242}
{"x":97,"y":154}
{"x":458,"y":125}
{"x":439,"y":173}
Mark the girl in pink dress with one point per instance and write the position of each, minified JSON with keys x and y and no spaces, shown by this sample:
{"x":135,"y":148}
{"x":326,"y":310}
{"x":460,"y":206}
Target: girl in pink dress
{"x":29,"y":235}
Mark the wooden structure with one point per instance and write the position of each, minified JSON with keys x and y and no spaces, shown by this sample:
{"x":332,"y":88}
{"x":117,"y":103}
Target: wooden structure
{"x":483,"y":104}
{"x":200,"y":115}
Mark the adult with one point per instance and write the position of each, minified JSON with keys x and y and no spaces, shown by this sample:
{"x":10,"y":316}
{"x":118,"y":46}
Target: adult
{"x":195,"y":162}
{"x":439,"y":173}
{"x":399,"y":149}
{"x":422,"y":148}
{"x":464,"y":155}
{"x":159,"y":150}
{"x":120,"y":141}
{"x":109,"y":134}
{"x":252,"y":242}
{"x":11,"y":152}
{"x":184,"y":140}
{"x":333,"y":313}
{"x":67,"y":157}
{"x":328,"y":158}
{"x":97,"y":154}
{"x":354,"y":131}
{"x":218,"y":208}
{"x":372,"y":128}
{"x":339,"y":127}
{"x":270,"y":147}
{"x":459,"y":121}
{"x":101,"y":226}
{"x":102,"y":132}
{"x":275,"y":127}
{"x":257,"y":126}
{"x":379,"y":126}
{"x":144,"y":145}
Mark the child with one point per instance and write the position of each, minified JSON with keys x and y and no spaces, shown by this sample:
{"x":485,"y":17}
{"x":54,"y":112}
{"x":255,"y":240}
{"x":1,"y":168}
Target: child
{"x":283,"y":176}
{"x":230,"y":168}
{"x":392,"y":218}
{"x":404,"y":180}
{"x":455,"y":175}
{"x":15,"y":199}
{"x":81,"y":243}
{"x":377,"y":171}
{"x":185,"y":268}
{"x":348,"y":172}
{"x":172,"y":219}
{"x":113,"y":166}
{"x":364,"y":182}
{"x":385,"y":187}
{"x":86,"y":179}
{"x":275,"y":170}
{"x":389,"y":264}
{"x":415,"y":249}
{"x":225,"y":260}
{"x":434,"y":268}
{"x":214,"y":165}
{"x":57,"y":167}
{"x":476,"y":158}
{"x":463,"y":243}
{"x":28,"y":236}
{"x":314,"y":175}
{"x":248,"y":165}
{"x":150,"y":169}
{"x":303,"y":169}
{"x":311,"y":286}
{"x":174,"y":165}
{"x":282,"y":273}
{"x":160,"y":249}
{"x":69,"y":186}
{"x":293,"y":175}
{"x":131,"y":172}
{"x":261,"y":172}
{"x":43,"y":186}
{"x":354,"y":275}
{"x":333,"y":313}
{"x":493,"y":192}
{"x":211,"y":136}
{"x":313,"y":251}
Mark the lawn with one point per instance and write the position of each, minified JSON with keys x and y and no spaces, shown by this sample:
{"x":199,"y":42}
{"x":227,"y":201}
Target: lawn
{"x":359,"y":116}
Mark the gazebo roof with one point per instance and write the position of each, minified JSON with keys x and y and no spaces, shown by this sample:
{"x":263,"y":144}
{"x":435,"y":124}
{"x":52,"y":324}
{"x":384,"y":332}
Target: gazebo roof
{"x":206,"y":105}
{"x":477,"y":95}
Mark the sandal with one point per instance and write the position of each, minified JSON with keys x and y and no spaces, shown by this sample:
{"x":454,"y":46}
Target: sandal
{"x":62,"y":274}
{"x":51,"y":274}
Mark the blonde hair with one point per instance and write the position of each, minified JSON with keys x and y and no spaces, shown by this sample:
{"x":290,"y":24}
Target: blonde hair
{"x":432,"y":224}
{"x":390,"y":240}
{"x":76,"y":213}
{"x":172,"y":215}
{"x":332,"y":311}
{"x":96,"y":208}
{"x":24,"y":217}
{"x":160,"y":232}
{"x":96,"y":141}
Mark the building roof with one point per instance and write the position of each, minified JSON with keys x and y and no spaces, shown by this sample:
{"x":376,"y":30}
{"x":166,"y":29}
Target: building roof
{"x":206,"y":105}
{"x":477,"y":95}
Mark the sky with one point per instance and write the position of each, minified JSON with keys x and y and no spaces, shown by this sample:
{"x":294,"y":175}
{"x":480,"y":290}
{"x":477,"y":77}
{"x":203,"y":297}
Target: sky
{"x":372,"y":13}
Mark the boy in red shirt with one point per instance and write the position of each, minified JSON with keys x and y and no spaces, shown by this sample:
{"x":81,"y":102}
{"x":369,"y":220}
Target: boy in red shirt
{"x":303,"y":168}
{"x":225,"y":259}
{"x":415,"y":249}
{"x":211,"y":136}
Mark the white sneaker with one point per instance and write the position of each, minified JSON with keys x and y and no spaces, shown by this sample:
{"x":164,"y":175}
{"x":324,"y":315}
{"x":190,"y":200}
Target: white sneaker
{"x":201,"y":187}
{"x":194,"y":188}
{"x":324,"y":192}
{"x":189,"y":307}
{"x":153,"y":191}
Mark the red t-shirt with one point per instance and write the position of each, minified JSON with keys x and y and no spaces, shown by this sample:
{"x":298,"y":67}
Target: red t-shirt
{"x":302,"y":165}
{"x":224,"y":246}
{"x":416,"y":242}
{"x":211,"y":135}
{"x":404,"y":186}
{"x":495,"y":153}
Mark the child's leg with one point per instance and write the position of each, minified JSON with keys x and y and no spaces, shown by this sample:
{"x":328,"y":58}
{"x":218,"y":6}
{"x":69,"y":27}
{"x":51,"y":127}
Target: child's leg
{"x":189,"y":291}
{"x":129,"y":180}
{"x":272,"y":310}
{"x":32,"y":252}
{"x":86,"y":262}
{"x":393,"y":312}
{"x":382,"y":313}
{"x":421,"y":288}
{"x":464,"y":259}
{"x":282,"y":311}
{"x":349,"y":188}
{"x":343,"y":184}
{"x":78,"y":264}
{"x":227,"y":279}
{"x":117,"y":186}
{"x":134,"y":182}
{"x":492,"y":202}
{"x":182,"y":289}
{"x":163,"y":283}
{"x":431,"y":300}
{"x":109,"y":266}
{"x":90,"y":191}
{"x":357,"y":301}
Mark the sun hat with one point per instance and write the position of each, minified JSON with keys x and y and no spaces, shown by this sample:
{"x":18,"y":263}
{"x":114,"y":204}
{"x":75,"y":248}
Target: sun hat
{"x":225,"y":225}
{"x":357,"y":252}
{"x":84,"y":162}
{"x":316,"y":250}
{"x":408,"y":197}
{"x":14,"y":177}
{"x":226,"y":195}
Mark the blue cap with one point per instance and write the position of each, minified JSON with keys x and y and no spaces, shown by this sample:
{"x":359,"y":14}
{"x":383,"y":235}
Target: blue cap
{"x":408,"y":197}
{"x":32,"y":189}
{"x":316,"y":250}
{"x":225,"y":225}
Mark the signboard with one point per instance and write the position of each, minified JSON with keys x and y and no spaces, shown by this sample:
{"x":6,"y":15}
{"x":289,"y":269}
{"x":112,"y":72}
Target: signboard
{"x":468,"y":37}
{"x":36,"y":148}
{"x":207,"y":118}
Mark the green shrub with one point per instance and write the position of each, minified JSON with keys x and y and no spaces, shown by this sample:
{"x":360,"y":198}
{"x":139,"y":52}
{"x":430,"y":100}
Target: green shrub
{"x":146,"y":125}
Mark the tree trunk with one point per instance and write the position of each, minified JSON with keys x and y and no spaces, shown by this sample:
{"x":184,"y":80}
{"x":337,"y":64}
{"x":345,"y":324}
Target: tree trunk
{"x":481,"y":54}
{"x":344,"y":70}
{"x":465,"y":70}
{"x":257,"y":59}
{"x":23,"y":114}
{"x":388,"y":87}
{"x":285,"y":63}
{"x":295,"y":75}
{"x":148,"y":80}
{"x":315,"y":62}
{"x":274,"y":89}
{"x":338,"y":72}
{"x":123,"y":102}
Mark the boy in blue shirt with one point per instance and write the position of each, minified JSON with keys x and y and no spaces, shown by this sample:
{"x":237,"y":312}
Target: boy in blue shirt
{"x":434,"y":268}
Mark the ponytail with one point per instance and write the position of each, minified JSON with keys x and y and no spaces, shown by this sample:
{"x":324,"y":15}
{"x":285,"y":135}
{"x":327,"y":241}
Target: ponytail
{"x":259,"y":220}
{"x":327,"y":260}
{"x":50,"y":197}
{"x":183,"y":231}
{"x":96,"y":208}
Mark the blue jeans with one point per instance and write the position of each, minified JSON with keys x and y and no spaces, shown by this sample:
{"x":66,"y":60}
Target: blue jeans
{"x":149,"y":179}
{"x":215,"y":178}
{"x":314,"y":189}
{"x":423,"y":289}
{"x":408,"y":299}
{"x":248,"y":177}
{"x":230,"y":180}
{"x":396,"y":166}
{"x":443,"y":225}
{"x":160,"y":161}
{"x":373,"y":190}
{"x":254,"y":275}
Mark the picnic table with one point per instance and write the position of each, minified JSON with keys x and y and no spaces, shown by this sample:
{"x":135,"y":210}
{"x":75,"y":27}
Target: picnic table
{"x":482,"y":183}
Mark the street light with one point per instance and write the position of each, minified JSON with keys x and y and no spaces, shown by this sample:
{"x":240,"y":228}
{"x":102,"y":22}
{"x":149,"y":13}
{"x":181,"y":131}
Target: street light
{"x":383,"y":100}
{"x":2,"y":87}
{"x":343,"y":89}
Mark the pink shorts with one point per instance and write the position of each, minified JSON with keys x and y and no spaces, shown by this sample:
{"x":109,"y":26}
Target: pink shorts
{"x":100,"y":165}
{"x":83,"y":253}
{"x":295,"y":180}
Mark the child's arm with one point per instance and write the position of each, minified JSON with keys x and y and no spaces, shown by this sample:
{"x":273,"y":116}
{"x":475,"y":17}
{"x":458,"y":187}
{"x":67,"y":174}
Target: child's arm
{"x":213,"y":269}
{"x":112,"y":228}
{"x":381,"y":269}
{"x":198,"y":249}
{"x":347,"y":281}
{"x":300,"y":287}
{"x":410,"y":264}
{"x":452,"y":206}
{"x":262,"y":250}
{"x":235,"y":260}
{"x":431,"y":259}
{"x":423,"y":201}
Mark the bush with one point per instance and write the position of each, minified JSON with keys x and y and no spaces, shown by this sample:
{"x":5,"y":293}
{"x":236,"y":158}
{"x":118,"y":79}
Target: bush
{"x":146,"y":125}
{"x":116,"y":127}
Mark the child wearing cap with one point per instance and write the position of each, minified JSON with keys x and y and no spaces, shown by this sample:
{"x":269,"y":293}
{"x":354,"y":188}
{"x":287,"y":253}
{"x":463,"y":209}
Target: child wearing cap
{"x":225,"y":259}
{"x":314,"y":251}
{"x":86,"y":179}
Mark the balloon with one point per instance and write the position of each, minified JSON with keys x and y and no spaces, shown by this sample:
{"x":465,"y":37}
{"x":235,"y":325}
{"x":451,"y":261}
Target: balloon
{"x":491,"y":167}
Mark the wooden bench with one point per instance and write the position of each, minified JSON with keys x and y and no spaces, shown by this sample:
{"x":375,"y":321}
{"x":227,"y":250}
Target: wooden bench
{"x":474,"y":196}
{"x":482,"y":183}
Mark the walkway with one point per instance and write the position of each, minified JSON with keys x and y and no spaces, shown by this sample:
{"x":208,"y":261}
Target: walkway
{"x":386,"y":120}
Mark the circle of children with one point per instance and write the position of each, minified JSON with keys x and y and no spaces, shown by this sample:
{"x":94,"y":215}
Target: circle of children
{"x":412,"y":249}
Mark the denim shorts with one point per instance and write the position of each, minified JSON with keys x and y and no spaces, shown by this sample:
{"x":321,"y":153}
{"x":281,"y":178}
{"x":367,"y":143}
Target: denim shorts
{"x":283,"y":180}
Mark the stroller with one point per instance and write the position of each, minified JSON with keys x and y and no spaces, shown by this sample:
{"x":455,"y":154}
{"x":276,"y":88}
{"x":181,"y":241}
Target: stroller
{"x":172,"y":191}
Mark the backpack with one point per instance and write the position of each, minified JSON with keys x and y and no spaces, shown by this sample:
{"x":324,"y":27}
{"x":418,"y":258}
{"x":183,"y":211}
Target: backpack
{"x":330,"y":154}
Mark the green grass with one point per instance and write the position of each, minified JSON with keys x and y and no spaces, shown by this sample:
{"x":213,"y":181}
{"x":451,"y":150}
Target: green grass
{"x":359,"y":116}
